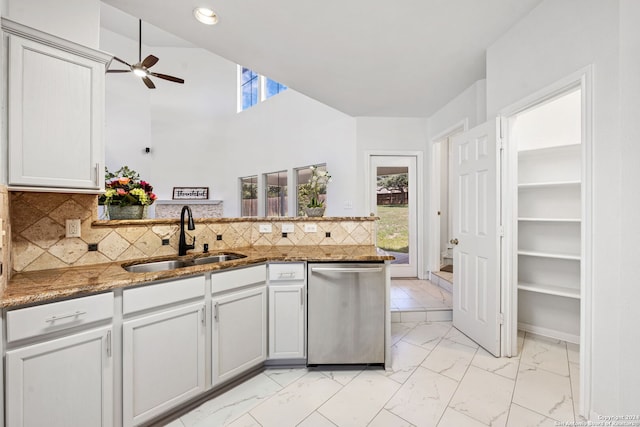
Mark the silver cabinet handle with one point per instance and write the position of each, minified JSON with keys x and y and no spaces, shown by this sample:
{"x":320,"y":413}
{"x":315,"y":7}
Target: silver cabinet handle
{"x":287,"y":275}
{"x":97,"y":180}
{"x":203,"y":314}
{"x":215,"y":312}
{"x":65,"y":316}
{"x":301,"y":296}
{"x":348,"y":269}
{"x":109,"y":343}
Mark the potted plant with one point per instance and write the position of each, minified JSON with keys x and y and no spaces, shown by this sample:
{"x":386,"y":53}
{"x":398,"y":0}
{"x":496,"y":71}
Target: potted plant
{"x":126,"y":195}
{"x":313,"y":190}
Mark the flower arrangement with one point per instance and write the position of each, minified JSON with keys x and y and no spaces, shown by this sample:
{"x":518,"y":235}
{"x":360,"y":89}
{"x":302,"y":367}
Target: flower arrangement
{"x":310,"y":200}
{"x":124,"y":188}
{"x":317,"y":185}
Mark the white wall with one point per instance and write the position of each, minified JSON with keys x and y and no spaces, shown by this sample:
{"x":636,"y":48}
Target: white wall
{"x":469,"y":106}
{"x":556,"y":39}
{"x":75,"y":20}
{"x":127,"y":110}
{"x":286,"y":131}
{"x":197,"y":138}
{"x":628,"y":353}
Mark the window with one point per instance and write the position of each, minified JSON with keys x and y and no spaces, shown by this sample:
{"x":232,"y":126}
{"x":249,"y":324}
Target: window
{"x":249,"y":196}
{"x":249,"y":88}
{"x":254,"y":88}
{"x":303,"y":176}
{"x":272,"y":87}
{"x":276,"y":192}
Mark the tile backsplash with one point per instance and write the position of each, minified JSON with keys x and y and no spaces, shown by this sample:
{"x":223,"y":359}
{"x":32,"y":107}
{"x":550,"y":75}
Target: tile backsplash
{"x":37,"y":228}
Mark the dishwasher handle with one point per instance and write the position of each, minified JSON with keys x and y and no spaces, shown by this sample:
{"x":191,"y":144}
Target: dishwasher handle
{"x":347,"y":269}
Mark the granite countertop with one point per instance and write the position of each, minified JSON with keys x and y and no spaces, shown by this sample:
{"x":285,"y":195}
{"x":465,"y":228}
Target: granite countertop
{"x":47,"y":285}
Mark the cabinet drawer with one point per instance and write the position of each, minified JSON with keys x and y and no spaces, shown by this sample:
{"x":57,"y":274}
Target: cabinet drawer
{"x":233,"y":279}
{"x":43,"y":319}
{"x":146,"y":297}
{"x":286,"y":271}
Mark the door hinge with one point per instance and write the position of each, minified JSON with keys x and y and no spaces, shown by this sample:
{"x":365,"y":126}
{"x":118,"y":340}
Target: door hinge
{"x":500,"y":319}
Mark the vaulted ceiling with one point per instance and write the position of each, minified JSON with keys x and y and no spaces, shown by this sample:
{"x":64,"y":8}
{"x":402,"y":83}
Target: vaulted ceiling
{"x":403,"y":58}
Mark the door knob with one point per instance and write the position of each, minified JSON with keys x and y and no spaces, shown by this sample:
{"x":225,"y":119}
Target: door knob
{"x":453,"y":241}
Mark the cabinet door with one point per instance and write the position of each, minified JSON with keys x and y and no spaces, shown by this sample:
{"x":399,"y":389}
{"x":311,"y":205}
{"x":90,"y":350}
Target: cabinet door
{"x":163,"y":361}
{"x":64,"y":382}
{"x":55,"y":117}
{"x":286,"y":321}
{"x":239,"y":332}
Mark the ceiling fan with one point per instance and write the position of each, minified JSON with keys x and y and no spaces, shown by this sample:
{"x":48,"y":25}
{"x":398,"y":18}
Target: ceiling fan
{"x":141,"y":69}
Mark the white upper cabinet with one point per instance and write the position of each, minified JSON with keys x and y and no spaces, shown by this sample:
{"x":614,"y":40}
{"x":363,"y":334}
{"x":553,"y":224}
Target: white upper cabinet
{"x":55,"y":101}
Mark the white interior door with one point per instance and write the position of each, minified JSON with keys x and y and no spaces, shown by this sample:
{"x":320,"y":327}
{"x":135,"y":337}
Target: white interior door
{"x":393,"y":189}
{"x":476,"y":220}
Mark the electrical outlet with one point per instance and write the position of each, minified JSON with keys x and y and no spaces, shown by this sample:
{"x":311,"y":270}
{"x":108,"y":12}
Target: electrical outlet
{"x":310,"y":228}
{"x":265,"y":228}
{"x":72,"y":228}
{"x":287,"y":228}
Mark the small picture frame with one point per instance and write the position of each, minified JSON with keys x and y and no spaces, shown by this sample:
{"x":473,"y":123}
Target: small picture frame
{"x":190,"y":193}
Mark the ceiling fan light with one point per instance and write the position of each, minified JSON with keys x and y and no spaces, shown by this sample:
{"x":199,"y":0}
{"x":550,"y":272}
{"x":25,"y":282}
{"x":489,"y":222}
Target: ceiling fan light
{"x":139,"y":72}
{"x":205,"y":15}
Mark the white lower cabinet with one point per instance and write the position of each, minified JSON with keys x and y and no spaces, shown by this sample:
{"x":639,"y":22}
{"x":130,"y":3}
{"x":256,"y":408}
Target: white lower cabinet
{"x":287,"y":321}
{"x":62,"y":382}
{"x":239,"y":341}
{"x":163,"y":352}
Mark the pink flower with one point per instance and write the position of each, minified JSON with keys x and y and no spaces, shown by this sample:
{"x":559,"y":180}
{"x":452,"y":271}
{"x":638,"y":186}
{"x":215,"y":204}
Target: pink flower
{"x":121,"y":191}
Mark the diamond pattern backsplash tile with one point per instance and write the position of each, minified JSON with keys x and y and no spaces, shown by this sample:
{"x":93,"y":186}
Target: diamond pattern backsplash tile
{"x":35,"y":223}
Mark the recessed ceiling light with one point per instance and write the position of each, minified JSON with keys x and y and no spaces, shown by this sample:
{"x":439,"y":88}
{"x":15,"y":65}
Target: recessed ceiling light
{"x":205,"y":15}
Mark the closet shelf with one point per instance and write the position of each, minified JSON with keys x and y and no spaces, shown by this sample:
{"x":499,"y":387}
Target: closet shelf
{"x":550,"y":290}
{"x":525,"y":186}
{"x":550,"y":255}
{"x":570,"y":220}
{"x":549,"y":150}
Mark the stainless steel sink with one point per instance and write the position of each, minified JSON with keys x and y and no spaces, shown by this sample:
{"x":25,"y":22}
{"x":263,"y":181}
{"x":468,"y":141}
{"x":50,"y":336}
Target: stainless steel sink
{"x":153,"y":266}
{"x":216,"y":258}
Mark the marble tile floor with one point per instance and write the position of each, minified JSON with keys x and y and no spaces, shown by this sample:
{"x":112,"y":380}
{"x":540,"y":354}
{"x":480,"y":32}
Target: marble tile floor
{"x":438,"y":377}
{"x":414,"y":300}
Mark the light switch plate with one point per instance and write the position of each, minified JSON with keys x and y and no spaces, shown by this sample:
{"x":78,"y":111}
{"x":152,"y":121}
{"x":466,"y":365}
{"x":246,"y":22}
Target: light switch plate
{"x":72,"y":228}
{"x":287,"y":228}
{"x":265,"y":228}
{"x":310,"y":228}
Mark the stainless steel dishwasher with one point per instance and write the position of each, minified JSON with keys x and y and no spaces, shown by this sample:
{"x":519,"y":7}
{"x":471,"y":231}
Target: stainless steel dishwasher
{"x":346,"y":313}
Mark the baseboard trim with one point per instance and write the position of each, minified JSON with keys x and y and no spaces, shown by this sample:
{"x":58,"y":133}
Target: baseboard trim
{"x":549,"y":333}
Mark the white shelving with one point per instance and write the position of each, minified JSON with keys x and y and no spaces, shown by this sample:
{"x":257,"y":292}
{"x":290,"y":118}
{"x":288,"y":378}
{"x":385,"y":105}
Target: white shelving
{"x":550,"y":290}
{"x":550,"y":255}
{"x":524,"y":219}
{"x":548,"y":184}
{"x":549,"y":241}
{"x":548,"y":252}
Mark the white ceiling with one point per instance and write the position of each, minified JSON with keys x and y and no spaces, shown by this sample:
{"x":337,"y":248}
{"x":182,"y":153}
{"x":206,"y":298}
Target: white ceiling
{"x":403,"y":58}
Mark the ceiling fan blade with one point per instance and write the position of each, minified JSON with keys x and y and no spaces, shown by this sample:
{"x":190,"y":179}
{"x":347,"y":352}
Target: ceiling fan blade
{"x":149,"y":61}
{"x":148,"y":82}
{"x":167,"y":77}
{"x":118,"y":71}
{"x":121,"y":61}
